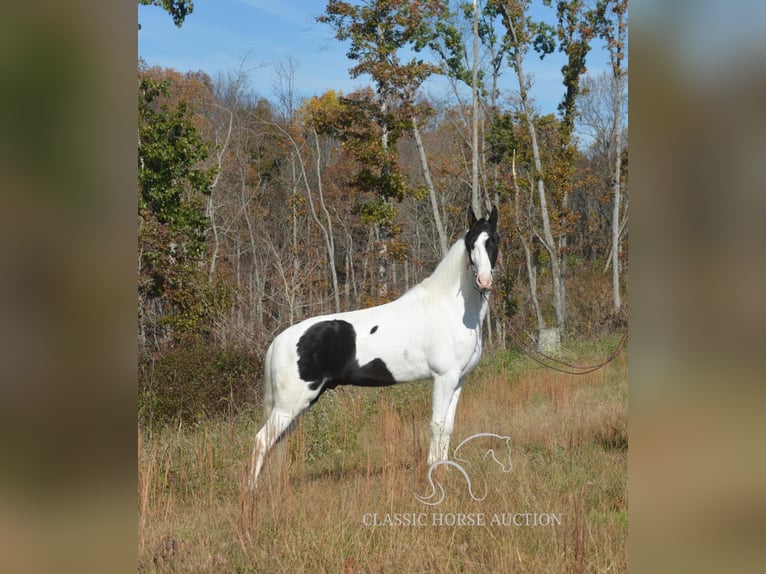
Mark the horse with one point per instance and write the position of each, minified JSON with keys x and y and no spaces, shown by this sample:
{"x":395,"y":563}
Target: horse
{"x":432,"y":331}
{"x":461,"y":464}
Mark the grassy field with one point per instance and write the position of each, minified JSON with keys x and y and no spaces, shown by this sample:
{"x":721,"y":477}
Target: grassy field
{"x":341,"y":497}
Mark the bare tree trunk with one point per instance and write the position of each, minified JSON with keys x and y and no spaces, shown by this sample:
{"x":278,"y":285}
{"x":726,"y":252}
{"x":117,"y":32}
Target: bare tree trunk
{"x":296,"y":179}
{"x":490,"y":338}
{"x":475,"y":203}
{"x":475,"y":115}
{"x":351,"y":283}
{"x":616,"y":222}
{"x":616,"y":227}
{"x":210,"y":211}
{"x":547,"y":238}
{"x":250,"y":230}
{"x":431,"y":189}
{"x":562,"y":250}
{"x":406,"y":275}
{"x":288,"y":283}
{"x":382,"y":228}
{"x":531,"y":266}
{"x":329,"y":236}
{"x":550,"y":245}
{"x":285,"y":87}
{"x":325,"y":229}
{"x":382,"y":261}
{"x":532,"y":274}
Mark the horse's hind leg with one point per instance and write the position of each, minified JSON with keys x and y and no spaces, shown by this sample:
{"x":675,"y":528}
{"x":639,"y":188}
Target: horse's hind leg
{"x":286,"y":397}
{"x":275,"y":426}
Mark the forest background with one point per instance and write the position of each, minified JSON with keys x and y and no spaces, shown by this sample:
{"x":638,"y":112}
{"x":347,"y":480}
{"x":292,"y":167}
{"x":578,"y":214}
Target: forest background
{"x":254,"y":213}
{"x":697,"y":310}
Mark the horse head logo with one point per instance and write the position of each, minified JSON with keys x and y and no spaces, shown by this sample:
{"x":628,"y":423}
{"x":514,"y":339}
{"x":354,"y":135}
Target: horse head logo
{"x":503,"y":453}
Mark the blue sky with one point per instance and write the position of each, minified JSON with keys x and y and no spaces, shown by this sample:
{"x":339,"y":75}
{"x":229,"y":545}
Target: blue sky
{"x":219,"y":34}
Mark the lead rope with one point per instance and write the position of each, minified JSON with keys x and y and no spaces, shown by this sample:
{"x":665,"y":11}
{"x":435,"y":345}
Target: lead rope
{"x":540,"y":357}
{"x":534,"y":354}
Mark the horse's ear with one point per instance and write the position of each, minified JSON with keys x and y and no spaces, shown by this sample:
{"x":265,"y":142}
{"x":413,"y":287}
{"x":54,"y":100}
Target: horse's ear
{"x":493,"y":216}
{"x":471,"y":217}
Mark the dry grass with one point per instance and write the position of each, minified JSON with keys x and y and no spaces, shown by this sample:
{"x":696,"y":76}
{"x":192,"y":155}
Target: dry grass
{"x":361,"y":452}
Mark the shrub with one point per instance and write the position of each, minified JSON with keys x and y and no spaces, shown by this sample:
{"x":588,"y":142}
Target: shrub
{"x":194,"y":381}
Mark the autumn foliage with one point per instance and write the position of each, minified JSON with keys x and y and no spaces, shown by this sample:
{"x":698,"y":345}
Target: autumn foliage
{"x":255,"y":213}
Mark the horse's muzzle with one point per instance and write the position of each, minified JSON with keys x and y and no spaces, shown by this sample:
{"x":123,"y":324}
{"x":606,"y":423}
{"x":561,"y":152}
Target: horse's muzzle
{"x":484,"y":281}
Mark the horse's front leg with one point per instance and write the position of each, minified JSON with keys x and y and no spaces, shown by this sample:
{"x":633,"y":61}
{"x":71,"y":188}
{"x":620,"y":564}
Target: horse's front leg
{"x":446,"y":395}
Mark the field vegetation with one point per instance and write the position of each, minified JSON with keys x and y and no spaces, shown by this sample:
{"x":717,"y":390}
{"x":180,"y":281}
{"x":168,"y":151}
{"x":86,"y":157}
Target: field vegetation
{"x":340,"y":496}
{"x":254,"y":213}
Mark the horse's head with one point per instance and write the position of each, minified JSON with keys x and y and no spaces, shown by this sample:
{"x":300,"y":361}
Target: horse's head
{"x":502,"y":453}
{"x":482,"y":242}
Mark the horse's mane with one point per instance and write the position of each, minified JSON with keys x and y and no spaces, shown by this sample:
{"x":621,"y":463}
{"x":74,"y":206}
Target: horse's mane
{"x":447,"y":277}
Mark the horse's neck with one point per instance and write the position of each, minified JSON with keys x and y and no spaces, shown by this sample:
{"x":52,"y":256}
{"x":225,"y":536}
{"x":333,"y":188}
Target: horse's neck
{"x":453,"y":277}
{"x":448,"y":276}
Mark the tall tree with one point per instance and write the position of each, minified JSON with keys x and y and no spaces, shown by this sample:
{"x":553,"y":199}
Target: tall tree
{"x":430,"y":185}
{"x":315,"y":116}
{"x":171,"y":216}
{"x":475,"y":113}
{"x":379,"y":32}
{"x":522,"y":33}
{"x":473,"y":24}
{"x":596,"y":109}
{"x":575,"y":31}
{"x":611,"y":22}
{"x":178,"y":9}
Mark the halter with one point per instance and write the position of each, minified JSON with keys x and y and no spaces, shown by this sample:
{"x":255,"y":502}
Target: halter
{"x":476,"y":227}
{"x":492,"y":235}
{"x":470,"y":264}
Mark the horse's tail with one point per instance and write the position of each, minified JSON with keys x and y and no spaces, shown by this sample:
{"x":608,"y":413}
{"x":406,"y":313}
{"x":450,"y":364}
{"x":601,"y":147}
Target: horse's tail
{"x":268,"y":386}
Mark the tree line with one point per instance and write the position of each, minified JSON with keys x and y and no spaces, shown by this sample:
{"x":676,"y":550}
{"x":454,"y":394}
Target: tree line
{"x":254,"y":212}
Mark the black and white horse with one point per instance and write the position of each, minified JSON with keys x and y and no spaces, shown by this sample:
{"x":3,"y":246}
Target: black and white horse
{"x":432,"y":331}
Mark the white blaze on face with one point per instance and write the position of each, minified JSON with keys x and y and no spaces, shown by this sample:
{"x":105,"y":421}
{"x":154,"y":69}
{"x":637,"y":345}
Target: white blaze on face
{"x":481,"y":264}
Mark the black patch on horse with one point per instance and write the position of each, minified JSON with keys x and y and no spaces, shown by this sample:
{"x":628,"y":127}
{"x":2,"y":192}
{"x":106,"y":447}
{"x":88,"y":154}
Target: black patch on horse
{"x":475,"y":229}
{"x":375,"y":328}
{"x":327,"y":358}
